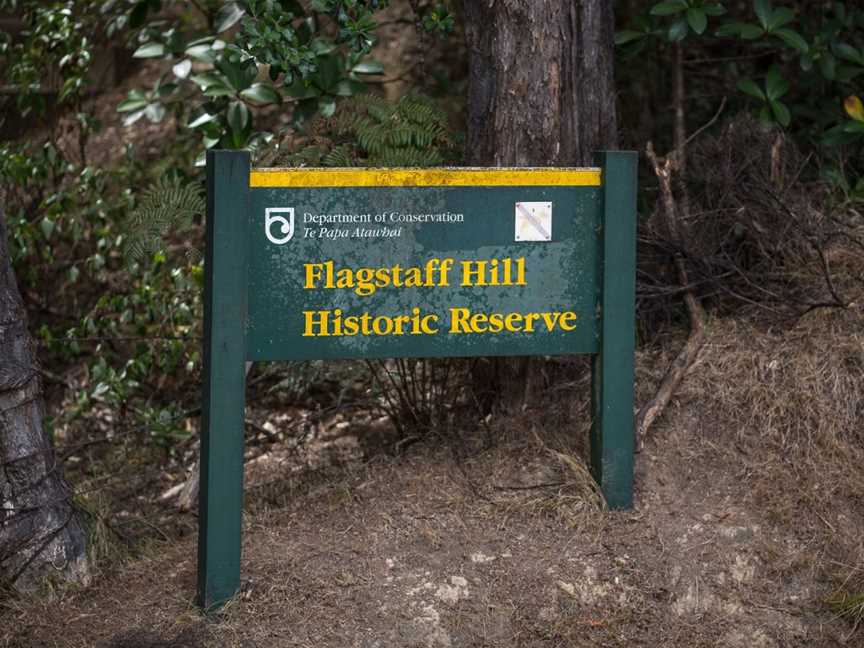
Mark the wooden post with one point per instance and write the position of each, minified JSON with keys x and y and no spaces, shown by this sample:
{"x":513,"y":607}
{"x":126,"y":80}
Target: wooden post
{"x":612,"y":432}
{"x":223,"y":399}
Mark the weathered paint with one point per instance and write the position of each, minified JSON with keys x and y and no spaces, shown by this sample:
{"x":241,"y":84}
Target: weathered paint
{"x":223,"y":397}
{"x":255,"y":295}
{"x":439,"y":177}
{"x":560,"y":273}
{"x":612,"y":432}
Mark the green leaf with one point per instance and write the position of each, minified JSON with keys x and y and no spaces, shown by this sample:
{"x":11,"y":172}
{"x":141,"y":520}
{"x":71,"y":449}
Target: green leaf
{"x":779,"y":17}
{"x":849,"y":53}
{"x":781,"y":113}
{"x":218,"y":90}
{"x":155,"y":112}
{"x":261,"y":93}
{"x":751,"y":32}
{"x":239,"y":75}
{"x":327,"y":106}
{"x":748,"y":86}
{"x":627,"y":36}
{"x":714,"y":9}
{"x":349,"y":87}
{"x":47,"y":226}
{"x":129,"y":104}
{"x":322,"y":47}
{"x":238,"y":116}
{"x":182,"y":69}
{"x":228,"y":16}
{"x":697,"y":20}
{"x":149,"y":50}
{"x":329,"y":71}
{"x":729,"y":29}
{"x":847,"y":73}
{"x":369,"y":66}
{"x":678,"y":31}
{"x":300,"y":90}
{"x":763,"y":12}
{"x":792,"y":39}
{"x":165,"y":89}
{"x":206,"y":79}
{"x":669,"y":8}
{"x":205,"y":118}
{"x":133,"y":117}
{"x":775,"y":85}
{"x":835,"y":136}
{"x":203,"y":53}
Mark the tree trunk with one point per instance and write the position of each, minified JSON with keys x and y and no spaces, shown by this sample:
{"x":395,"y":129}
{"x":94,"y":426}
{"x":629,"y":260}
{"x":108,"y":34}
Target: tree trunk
{"x":41,"y":534}
{"x":541,"y":93}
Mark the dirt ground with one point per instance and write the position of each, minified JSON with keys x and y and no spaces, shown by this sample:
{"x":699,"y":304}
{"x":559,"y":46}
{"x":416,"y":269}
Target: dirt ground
{"x":747,"y":526}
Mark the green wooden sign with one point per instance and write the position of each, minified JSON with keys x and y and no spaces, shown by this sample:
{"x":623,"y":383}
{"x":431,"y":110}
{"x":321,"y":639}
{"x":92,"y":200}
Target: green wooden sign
{"x":377,"y":263}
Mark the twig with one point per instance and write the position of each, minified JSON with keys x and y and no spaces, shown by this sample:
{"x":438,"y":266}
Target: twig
{"x":672,"y":218}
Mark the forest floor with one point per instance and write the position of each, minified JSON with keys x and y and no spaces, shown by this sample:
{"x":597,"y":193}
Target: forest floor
{"x":746,"y":530}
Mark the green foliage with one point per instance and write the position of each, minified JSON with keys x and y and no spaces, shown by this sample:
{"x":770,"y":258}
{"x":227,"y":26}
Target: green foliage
{"x":438,"y":20}
{"x":166,"y":206}
{"x":58,"y":37}
{"x":134,"y":328}
{"x":828,"y":48}
{"x":253,"y":54}
{"x":372,"y":131}
{"x":794,"y":64}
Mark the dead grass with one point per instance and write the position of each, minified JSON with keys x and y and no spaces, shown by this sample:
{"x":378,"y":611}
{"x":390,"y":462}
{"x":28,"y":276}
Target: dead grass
{"x":791,"y":405}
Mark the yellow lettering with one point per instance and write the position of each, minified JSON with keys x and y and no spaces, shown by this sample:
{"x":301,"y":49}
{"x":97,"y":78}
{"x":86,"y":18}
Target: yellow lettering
{"x":566,"y":318}
{"x":351,"y":326}
{"x":313,"y":319}
{"x":413,"y":278}
{"x":512,"y":322}
{"x":459,"y":320}
{"x":477,"y":321}
{"x":551,"y":320}
{"x":530,"y":318}
{"x":314,"y":271}
{"x":363,"y":279}
{"x":472,"y":276}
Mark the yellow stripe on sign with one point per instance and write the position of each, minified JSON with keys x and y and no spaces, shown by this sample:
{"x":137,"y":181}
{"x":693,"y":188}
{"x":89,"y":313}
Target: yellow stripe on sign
{"x":440,"y":177}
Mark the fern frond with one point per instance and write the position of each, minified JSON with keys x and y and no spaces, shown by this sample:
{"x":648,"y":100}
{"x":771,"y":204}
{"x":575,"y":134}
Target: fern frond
{"x":165,"y":206}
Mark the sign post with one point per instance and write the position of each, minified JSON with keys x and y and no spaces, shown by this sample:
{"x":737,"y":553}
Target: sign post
{"x":376,"y":263}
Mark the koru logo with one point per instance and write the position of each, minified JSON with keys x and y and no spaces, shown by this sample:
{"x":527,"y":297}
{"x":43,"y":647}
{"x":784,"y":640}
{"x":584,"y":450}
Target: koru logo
{"x":283,"y":225}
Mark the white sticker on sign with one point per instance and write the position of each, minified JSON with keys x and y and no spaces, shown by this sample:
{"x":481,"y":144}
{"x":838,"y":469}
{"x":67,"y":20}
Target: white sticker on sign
{"x":533,"y":221}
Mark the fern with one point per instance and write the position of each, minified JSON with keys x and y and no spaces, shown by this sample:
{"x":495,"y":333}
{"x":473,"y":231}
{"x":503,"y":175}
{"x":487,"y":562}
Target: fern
{"x":165,"y":206}
{"x":372,"y":131}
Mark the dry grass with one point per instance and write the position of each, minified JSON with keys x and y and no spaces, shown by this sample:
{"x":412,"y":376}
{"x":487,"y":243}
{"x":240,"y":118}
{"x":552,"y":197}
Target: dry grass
{"x":790,"y":408}
{"x":801,"y":390}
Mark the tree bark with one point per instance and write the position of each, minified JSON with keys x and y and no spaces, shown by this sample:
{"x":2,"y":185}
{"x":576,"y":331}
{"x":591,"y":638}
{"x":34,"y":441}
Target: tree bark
{"x":542,"y":89}
{"x":41,"y":534}
{"x":541,"y":93}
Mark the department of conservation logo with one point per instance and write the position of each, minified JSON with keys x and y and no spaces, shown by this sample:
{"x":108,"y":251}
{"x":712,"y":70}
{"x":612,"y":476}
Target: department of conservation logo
{"x":279,"y":224}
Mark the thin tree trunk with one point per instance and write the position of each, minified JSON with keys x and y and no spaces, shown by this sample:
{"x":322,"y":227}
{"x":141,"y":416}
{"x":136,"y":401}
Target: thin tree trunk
{"x":541,"y":93}
{"x":674,"y":218}
{"x":41,"y":534}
